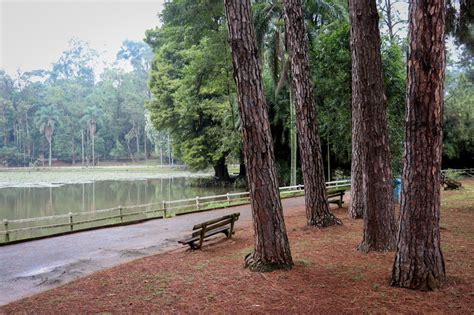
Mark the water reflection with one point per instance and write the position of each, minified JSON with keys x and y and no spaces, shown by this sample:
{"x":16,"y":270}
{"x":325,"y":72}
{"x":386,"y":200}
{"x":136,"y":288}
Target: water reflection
{"x":29,"y":202}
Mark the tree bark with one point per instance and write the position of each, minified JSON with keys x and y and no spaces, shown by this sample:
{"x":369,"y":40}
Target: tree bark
{"x":144,"y":145}
{"x":356,"y":203}
{"x":317,"y":207}
{"x":272,"y":249}
{"x":293,"y":144}
{"x":221,"y":172}
{"x":419,"y":262}
{"x":50,"y":152}
{"x":368,"y":99}
{"x":93,"y":149}
{"x":242,"y":169}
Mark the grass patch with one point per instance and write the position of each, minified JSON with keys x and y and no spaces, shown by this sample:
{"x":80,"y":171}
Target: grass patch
{"x":357,"y":277}
{"x":201,"y":265}
{"x":156,"y":286}
{"x":453,"y":199}
{"x":303,"y":262}
{"x":241,"y":253}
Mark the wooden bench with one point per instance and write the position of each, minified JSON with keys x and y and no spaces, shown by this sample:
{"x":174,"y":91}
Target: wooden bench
{"x":336,"y":197}
{"x":206,"y":229}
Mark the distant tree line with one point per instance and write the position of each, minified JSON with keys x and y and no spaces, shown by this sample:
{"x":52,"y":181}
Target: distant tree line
{"x":66,"y":113}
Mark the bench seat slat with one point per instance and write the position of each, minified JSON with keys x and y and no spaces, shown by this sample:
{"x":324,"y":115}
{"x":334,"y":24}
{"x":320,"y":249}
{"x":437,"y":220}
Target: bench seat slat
{"x":212,"y":227}
{"x":208,"y":233}
{"x":200,"y":225}
{"x":336,"y":194}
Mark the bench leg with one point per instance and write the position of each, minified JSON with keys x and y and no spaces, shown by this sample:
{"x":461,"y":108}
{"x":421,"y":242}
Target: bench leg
{"x":201,"y":239}
{"x":231,"y":228}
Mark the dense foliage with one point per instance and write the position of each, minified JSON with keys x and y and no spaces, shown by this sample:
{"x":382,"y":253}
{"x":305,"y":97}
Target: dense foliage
{"x":191,"y":80}
{"x":458,"y":116}
{"x":194,"y":97}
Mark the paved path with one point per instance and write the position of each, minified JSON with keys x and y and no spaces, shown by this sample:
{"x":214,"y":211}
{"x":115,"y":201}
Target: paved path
{"x":32,"y":267}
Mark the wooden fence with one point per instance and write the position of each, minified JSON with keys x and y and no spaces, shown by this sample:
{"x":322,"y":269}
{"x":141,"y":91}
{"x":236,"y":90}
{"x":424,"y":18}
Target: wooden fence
{"x":468,"y":172}
{"x":32,"y":228}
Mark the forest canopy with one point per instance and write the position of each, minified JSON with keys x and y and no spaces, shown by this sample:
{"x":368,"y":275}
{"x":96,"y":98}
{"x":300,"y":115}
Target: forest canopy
{"x":175,"y":92}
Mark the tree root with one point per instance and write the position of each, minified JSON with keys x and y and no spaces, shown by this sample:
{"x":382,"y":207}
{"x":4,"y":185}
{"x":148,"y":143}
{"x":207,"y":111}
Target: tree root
{"x":429,"y":283}
{"x":364,"y":247}
{"x":257,"y":265}
{"x":328,"y":219}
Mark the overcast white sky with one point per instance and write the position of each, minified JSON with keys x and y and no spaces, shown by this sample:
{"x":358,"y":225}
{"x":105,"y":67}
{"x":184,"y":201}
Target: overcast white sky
{"x":34,"y":33}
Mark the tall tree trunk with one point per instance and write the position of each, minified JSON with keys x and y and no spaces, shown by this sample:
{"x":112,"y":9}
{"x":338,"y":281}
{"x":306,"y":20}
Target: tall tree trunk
{"x":87,"y":150}
{"x":356,"y":203}
{"x":329,"y":158}
{"x":293,"y":143}
{"x":138,"y":141}
{"x":130,"y":151}
{"x":93,"y":149}
{"x":169,"y":150}
{"x":317,"y":207}
{"x":221,"y":171}
{"x":73,"y":144}
{"x":419,"y":262}
{"x":28,"y":136}
{"x":388,"y":22}
{"x":368,"y":98}
{"x":82,"y":146}
{"x":144,"y":145}
{"x":242,"y":168}
{"x":50,"y":152}
{"x":272,"y":249}
{"x":161,"y":154}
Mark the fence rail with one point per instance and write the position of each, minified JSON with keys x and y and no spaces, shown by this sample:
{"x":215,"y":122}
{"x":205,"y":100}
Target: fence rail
{"x":461,"y":171}
{"x":70,"y":222}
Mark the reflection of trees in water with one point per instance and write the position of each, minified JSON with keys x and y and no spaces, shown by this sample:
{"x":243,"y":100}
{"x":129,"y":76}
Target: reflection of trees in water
{"x":83,"y":197}
{"x":93,"y":196}
{"x":50,"y":206}
{"x":137,"y":184}
{"x":28,"y":202}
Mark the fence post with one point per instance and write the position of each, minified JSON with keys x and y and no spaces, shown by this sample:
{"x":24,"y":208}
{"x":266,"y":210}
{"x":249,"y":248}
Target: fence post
{"x":197,"y":202}
{"x":7,"y":234}
{"x":71,"y":223}
{"x":228,"y":199}
{"x":165,"y":214}
{"x":121,"y":214}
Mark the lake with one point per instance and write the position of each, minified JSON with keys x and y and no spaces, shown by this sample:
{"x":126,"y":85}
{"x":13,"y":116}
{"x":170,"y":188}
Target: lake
{"x":48,"y":193}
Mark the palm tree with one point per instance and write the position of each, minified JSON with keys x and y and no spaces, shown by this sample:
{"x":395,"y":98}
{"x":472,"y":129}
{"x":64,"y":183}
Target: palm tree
{"x":90,"y":119}
{"x":46,"y":119}
{"x":271,"y":39}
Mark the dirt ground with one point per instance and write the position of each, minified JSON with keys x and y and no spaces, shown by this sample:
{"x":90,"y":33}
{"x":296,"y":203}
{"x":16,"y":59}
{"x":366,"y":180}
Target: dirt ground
{"x":330,"y":275}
